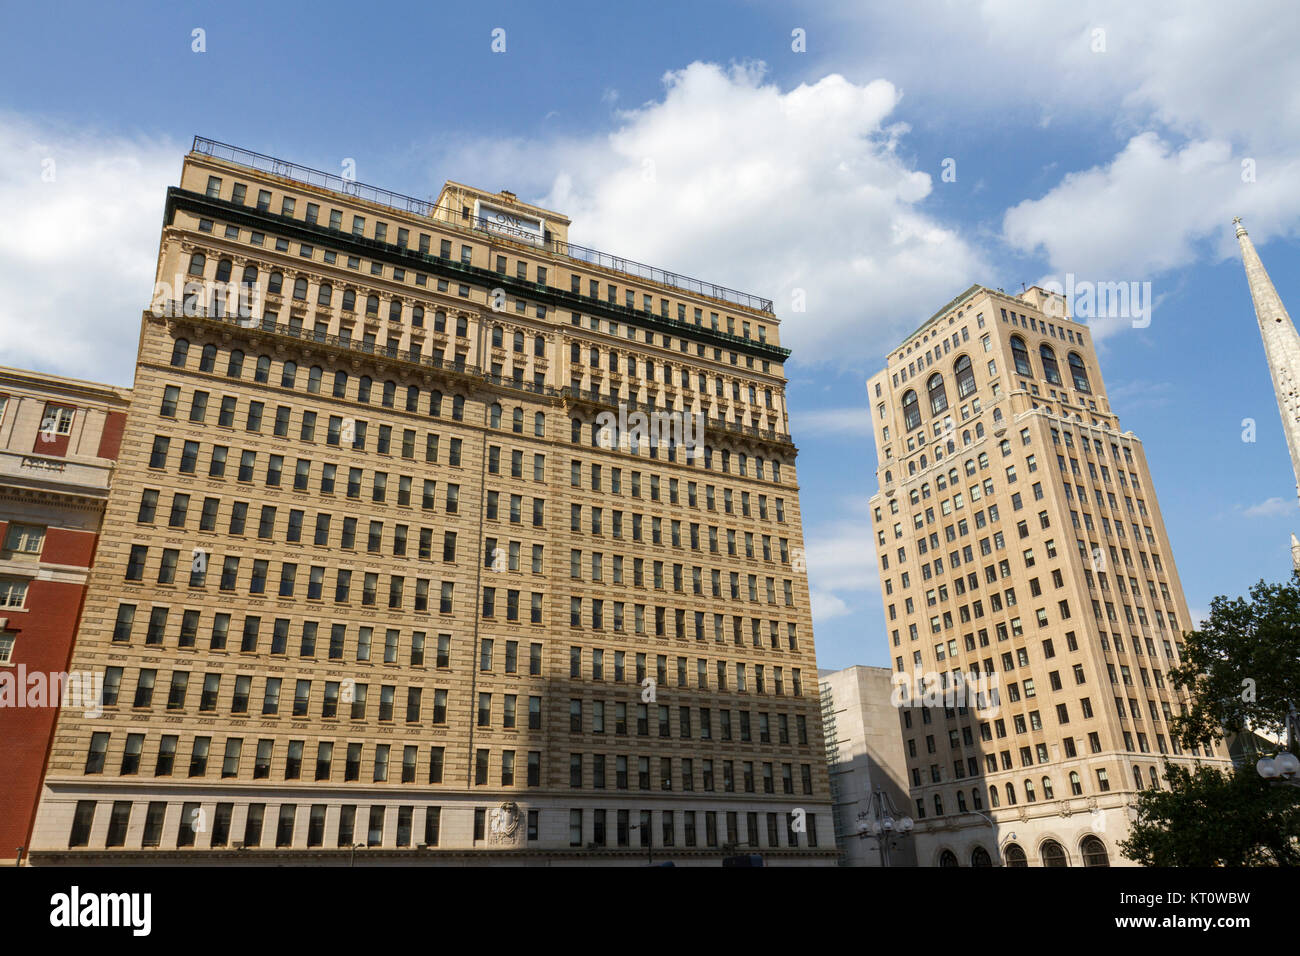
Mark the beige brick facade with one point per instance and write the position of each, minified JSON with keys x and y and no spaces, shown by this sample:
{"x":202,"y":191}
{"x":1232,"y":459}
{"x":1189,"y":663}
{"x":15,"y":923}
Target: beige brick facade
{"x":1019,"y":535}
{"x":413,"y":529}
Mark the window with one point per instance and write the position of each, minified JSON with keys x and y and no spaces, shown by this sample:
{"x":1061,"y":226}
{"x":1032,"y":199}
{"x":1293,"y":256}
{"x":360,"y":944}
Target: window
{"x":965,"y":377}
{"x":1051,"y":371}
{"x":911,"y":411}
{"x":938,"y":397}
{"x":1021,"y":356}
{"x":1078,"y":373}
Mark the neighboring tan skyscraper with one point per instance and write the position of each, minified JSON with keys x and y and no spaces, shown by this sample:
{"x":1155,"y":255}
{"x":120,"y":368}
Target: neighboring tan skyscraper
{"x":1281,"y":349}
{"x":372,"y":577}
{"x":58,"y":440}
{"x":1019,"y":537}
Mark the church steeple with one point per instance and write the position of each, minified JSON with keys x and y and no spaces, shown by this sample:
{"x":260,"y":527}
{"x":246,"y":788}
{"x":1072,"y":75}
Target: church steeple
{"x":1281,"y":348}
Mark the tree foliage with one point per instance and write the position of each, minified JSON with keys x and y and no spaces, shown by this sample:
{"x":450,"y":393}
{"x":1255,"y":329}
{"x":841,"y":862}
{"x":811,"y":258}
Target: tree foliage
{"x":1212,"y":818}
{"x":1243,"y":666}
{"x":1241,"y":670}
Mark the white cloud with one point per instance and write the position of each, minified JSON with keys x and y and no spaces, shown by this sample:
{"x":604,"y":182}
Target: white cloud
{"x":78,"y":253}
{"x":731,"y":180}
{"x":841,"y":559}
{"x":833,"y":421}
{"x":1188,"y":89}
{"x":1272,"y":508}
{"x":1144,"y":213}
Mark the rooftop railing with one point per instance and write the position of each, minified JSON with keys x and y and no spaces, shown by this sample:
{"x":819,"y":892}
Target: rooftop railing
{"x":453,"y":218}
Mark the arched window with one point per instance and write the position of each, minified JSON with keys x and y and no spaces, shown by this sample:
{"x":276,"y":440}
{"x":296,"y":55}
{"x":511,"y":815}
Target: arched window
{"x":575,"y":431}
{"x":519,"y":342}
{"x":631,"y":365}
{"x":997,"y":415}
{"x":1011,"y":794}
{"x":395,"y":310}
{"x":1078,"y":373}
{"x":539,"y":346}
{"x":938,"y":397}
{"x":979,"y":426}
{"x":263,"y":371}
{"x":517,"y":421}
{"x":417,"y":316}
{"x":1051,"y":371}
{"x":494,"y":418}
{"x":911,"y":411}
{"x":180,"y":350}
{"x":300,"y":289}
{"x":1094,"y":852}
{"x":496,"y":336}
{"x":1053,"y":854}
{"x":1014,"y":856}
{"x":440,"y":321}
{"x":1076,"y":786}
{"x":390,"y":394}
{"x":993,"y":796}
{"x":289,"y":375}
{"x":435,"y":404}
{"x":965,"y":377}
{"x":911,"y":468}
{"x":539,"y":425}
{"x":198,"y":262}
{"x":948,"y":858}
{"x":1137,"y":778}
{"x":980,"y":857}
{"x":889,"y":477}
{"x":977,"y":797}
{"x":363,"y":388}
{"x":313,"y":380}
{"x":1048,"y":794}
{"x":223,"y":270}
{"x":349,"y":300}
{"x":458,"y":408}
{"x":236,"y":367}
{"x":340,"y":384}
{"x":965,"y":437}
{"x":250,"y":275}
{"x":324,"y":294}
{"x":1021,"y":356}
{"x":593,"y":358}
{"x":372,"y":305}
{"x":412,"y":398}
{"x":1030,"y":796}
{"x":275,"y":283}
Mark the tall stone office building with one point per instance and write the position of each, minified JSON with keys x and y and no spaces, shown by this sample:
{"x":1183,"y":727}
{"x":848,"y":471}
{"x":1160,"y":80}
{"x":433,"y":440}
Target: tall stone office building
{"x":1018,"y":536}
{"x":373,"y":586}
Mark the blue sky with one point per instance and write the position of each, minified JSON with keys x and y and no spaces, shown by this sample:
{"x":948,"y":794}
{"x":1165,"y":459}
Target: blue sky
{"x":1094,"y":139}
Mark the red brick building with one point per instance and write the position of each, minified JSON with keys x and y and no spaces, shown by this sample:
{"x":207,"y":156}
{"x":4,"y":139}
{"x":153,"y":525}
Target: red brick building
{"x":59,"y":440}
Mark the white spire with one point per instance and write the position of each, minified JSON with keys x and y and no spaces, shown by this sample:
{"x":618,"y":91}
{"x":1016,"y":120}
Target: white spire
{"x":1281,"y":345}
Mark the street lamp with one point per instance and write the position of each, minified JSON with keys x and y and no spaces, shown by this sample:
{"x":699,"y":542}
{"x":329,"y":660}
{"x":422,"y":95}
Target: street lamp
{"x":883,"y":822}
{"x":1284,"y":768}
{"x":994,"y":827}
{"x":355,"y":847}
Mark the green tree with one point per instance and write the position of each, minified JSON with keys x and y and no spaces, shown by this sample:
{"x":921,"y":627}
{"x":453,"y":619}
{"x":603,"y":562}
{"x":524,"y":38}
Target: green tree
{"x":1242,"y":667}
{"x":1211,"y":818}
{"x":1241,"y":670}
